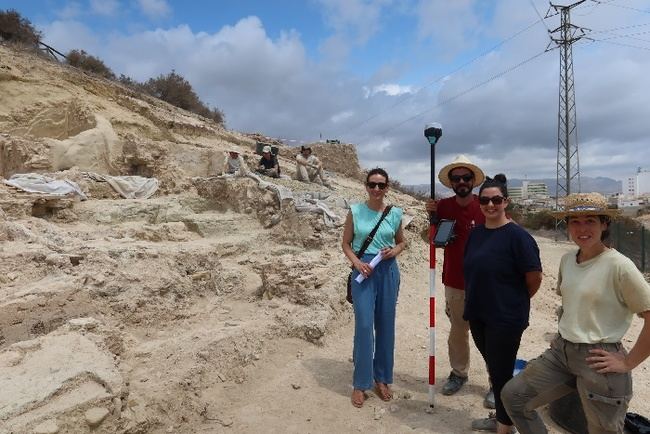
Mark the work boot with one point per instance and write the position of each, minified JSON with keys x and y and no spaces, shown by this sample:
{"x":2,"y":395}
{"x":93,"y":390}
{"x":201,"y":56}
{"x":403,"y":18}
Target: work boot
{"x":453,"y":384}
{"x":487,"y":424}
{"x":488,"y":402}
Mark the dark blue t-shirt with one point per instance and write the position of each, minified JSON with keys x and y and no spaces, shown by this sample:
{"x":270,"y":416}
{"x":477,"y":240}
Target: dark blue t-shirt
{"x":495,"y":265}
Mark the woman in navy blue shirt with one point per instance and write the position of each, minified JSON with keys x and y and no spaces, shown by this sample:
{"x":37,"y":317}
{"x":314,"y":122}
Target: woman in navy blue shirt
{"x":502,"y":271}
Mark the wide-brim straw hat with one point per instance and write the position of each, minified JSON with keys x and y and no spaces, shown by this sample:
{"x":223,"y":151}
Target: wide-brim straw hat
{"x":461,"y":161}
{"x":580,"y":204}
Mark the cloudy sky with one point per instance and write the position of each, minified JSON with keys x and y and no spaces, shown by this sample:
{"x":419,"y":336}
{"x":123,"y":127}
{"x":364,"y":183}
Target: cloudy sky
{"x":374,"y":72}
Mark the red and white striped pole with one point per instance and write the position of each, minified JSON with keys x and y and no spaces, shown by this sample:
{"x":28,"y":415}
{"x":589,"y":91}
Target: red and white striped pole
{"x":432,"y":132}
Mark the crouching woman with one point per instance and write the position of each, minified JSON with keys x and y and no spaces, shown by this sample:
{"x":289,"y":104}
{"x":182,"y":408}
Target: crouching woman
{"x":601,"y":291}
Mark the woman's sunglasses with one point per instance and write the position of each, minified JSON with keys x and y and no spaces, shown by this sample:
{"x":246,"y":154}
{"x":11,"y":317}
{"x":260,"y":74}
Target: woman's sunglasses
{"x":457,"y":178}
{"x":371,"y":185}
{"x":497,"y":200}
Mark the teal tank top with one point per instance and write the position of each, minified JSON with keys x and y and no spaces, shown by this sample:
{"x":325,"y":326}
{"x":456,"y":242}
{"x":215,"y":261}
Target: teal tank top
{"x":364,"y":220}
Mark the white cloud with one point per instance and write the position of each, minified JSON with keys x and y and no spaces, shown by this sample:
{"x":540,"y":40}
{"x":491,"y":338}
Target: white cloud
{"x":66,"y":35}
{"x":354,"y":22}
{"x":70,"y":11}
{"x":342,"y":116}
{"x":154,"y":8}
{"x":452,"y":25}
{"x":104,"y":7}
{"x":391,"y":89}
{"x":358,"y":18}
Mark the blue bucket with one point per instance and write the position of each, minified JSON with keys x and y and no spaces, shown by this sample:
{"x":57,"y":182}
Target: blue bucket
{"x":520,"y":364}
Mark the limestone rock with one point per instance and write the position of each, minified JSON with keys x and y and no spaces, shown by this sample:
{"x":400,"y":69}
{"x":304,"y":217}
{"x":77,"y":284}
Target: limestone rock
{"x":47,"y":427}
{"x":95,"y":416}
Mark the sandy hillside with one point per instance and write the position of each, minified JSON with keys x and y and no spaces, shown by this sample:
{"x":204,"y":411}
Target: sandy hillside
{"x":216,"y":305}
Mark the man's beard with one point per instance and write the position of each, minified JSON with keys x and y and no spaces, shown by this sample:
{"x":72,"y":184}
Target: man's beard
{"x":462,"y":190}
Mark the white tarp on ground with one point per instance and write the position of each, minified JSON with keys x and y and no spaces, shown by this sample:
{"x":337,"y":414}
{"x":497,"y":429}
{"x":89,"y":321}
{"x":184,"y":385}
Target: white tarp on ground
{"x":315,"y":202}
{"x":129,"y":187}
{"x":37,"y":183}
{"x":283,"y":192}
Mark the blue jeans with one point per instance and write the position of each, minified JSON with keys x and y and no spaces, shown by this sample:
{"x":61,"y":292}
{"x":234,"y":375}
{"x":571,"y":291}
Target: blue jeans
{"x":375,"y":302}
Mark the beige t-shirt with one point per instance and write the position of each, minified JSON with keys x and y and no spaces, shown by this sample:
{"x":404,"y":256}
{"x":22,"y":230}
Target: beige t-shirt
{"x":600,"y":297}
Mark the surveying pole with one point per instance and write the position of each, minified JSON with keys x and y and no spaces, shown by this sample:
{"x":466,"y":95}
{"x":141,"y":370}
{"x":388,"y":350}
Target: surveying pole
{"x":432,"y":132}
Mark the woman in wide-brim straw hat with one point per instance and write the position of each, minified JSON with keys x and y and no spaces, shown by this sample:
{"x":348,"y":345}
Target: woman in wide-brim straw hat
{"x":601,"y":291}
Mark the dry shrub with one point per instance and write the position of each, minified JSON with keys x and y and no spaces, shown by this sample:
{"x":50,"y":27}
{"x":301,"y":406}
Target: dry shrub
{"x":177,"y":91}
{"x":81,"y":59}
{"x":15,"y":28}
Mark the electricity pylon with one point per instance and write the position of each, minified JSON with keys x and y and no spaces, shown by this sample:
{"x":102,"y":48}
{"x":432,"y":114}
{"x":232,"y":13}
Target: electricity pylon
{"x":568,"y":164}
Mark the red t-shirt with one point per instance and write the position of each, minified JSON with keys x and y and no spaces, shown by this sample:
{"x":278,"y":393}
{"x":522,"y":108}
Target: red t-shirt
{"x":466,"y":218}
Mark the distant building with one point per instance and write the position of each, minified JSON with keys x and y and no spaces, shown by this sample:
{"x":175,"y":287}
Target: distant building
{"x":643,"y":182}
{"x":629,"y":186}
{"x":529,"y":190}
{"x":637,"y":184}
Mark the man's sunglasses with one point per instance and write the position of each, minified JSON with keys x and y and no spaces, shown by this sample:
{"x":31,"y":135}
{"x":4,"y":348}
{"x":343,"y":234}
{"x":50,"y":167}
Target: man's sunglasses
{"x":497,"y":200}
{"x":371,"y":185}
{"x":457,"y":178}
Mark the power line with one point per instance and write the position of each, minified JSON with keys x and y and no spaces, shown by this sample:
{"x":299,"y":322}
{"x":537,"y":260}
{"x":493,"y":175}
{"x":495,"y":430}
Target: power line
{"x":464,"y":65}
{"x":629,"y":35}
{"x":621,"y":44}
{"x":619,"y":28}
{"x":620,"y":6}
{"x":468,"y":90}
{"x":538,"y":14}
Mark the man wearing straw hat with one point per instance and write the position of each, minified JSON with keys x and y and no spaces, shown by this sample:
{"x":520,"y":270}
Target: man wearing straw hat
{"x":601,"y":290}
{"x":234,"y":164}
{"x":461,"y":175}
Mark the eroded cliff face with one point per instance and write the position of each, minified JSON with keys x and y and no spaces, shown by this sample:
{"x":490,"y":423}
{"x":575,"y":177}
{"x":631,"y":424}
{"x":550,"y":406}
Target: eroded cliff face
{"x":143,"y":306}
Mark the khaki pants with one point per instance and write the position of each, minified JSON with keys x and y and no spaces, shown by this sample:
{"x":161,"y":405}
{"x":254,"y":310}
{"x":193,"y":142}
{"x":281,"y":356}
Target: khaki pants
{"x":560,"y":370}
{"x":310,"y":174}
{"x":458,"y":341}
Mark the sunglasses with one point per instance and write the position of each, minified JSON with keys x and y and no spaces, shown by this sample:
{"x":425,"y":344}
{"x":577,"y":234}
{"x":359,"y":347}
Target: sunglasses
{"x":465,"y":178}
{"x":371,"y":185}
{"x":497,"y":200}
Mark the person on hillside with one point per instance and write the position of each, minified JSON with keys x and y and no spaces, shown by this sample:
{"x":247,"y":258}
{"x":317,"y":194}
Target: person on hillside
{"x":309,"y":168}
{"x":268,"y":164}
{"x":234,"y":164}
{"x":375,"y":298}
{"x":502,"y":271}
{"x":601,"y":290}
{"x":461,"y":176}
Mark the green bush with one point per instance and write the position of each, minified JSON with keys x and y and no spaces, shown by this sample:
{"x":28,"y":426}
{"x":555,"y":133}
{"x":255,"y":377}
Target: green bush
{"x":87,"y":62}
{"x":15,"y":28}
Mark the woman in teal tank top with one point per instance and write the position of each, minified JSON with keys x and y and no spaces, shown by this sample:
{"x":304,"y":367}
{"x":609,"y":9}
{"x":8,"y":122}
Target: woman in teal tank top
{"x":375,"y":298}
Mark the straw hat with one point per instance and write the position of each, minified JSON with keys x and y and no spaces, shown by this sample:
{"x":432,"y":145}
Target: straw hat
{"x":460,"y":161}
{"x":267,"y":148}
{"x":585,"y":204}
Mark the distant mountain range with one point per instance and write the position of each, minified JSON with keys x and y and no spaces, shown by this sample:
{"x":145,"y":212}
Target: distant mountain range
{"x":600,"y":184}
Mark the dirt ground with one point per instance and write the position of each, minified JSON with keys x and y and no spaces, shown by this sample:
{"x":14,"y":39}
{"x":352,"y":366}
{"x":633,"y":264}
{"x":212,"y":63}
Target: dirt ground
{"x":214,"y":306}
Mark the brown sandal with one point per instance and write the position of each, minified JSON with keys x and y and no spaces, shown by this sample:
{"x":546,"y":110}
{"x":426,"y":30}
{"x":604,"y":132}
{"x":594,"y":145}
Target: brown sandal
{"x":383,"y":391}
{"x":358,"y":397}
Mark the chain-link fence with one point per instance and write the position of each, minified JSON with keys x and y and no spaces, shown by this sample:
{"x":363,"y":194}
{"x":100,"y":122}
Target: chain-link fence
{"x":631,"y":239}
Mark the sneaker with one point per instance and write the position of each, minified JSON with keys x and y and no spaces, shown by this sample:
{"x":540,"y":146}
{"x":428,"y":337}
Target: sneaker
{"x":487,"y":424}
{"x":453,"y":384}
{"x":488,"y":402}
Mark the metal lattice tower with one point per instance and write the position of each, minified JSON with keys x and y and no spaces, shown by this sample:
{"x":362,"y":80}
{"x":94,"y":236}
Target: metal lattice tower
{"x":568,"y":166}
